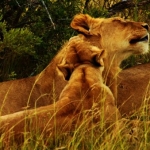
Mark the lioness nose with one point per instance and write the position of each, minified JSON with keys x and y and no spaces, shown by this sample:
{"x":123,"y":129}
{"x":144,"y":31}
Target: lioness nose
{"x":145,"y":25}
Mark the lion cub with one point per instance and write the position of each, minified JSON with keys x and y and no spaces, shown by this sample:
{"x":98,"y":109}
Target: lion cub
{"x":86,"y":91}
{"x":81,"y":52}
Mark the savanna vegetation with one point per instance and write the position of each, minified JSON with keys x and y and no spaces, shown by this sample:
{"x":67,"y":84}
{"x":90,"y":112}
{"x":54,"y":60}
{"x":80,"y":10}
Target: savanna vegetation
{"x":32,"y":32}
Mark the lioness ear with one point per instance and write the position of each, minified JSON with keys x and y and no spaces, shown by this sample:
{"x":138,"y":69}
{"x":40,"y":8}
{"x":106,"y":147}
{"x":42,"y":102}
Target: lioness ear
{"x":66,"y":70}
{"x":97,"y":58}
{"x":84,"y":24}
{"x":80,"y":23}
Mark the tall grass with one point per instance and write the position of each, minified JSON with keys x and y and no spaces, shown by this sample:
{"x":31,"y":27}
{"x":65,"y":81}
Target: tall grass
{"x":125,"y":134}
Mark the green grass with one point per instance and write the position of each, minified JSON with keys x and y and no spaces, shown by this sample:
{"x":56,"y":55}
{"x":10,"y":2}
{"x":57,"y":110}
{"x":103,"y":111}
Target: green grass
{"x":135,"y":60}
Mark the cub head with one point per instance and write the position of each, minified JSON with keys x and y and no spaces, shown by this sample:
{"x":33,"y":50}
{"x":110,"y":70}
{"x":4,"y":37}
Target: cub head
{"x":117,"y":36}
{"x":73,"y":60}
{"x":80,"y":52}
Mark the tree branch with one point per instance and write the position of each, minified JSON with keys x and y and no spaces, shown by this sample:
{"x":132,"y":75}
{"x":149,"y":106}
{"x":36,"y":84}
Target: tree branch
{"x":48,"y":14}
{"x":125,"y":5}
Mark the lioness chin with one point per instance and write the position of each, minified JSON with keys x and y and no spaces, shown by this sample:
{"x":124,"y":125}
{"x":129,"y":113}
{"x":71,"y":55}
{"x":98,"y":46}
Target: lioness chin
{"x":119,"y":38}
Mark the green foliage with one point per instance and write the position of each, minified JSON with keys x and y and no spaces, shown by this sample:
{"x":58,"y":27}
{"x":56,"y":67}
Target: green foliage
{"x":30,"y":39}
{"x":18,"y":41}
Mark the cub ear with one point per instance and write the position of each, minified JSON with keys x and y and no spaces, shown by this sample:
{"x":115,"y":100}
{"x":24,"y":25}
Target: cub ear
{"x":97,"y":58}
{"x":66,"y":70}
{"x":85,"y":24}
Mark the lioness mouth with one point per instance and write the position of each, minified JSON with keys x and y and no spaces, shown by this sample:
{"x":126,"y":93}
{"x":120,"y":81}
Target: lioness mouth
{"x":145,"y":38}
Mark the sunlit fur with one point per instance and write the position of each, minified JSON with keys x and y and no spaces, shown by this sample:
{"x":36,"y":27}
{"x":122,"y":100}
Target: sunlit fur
{"x":115,"y":36}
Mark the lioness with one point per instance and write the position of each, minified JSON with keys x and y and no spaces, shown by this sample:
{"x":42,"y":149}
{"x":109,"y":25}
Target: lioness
{"x":84,"y":97}
{"x":120,"y":39}
{"x":134,"y":91}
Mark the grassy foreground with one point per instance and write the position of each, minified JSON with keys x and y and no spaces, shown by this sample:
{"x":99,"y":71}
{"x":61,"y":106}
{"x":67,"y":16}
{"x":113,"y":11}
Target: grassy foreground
{"x":126,"y":134}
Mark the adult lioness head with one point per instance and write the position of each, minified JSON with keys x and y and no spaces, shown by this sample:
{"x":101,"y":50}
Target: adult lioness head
{"x":120,"y":38}
{"x":114,"y":34}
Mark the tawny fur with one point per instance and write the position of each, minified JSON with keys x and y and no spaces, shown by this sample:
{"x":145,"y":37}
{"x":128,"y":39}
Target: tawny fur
{"x":85,"y":96}
{"x":134,"y":91}
{"x":45,"y":88}
{"x":118,"y":37}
